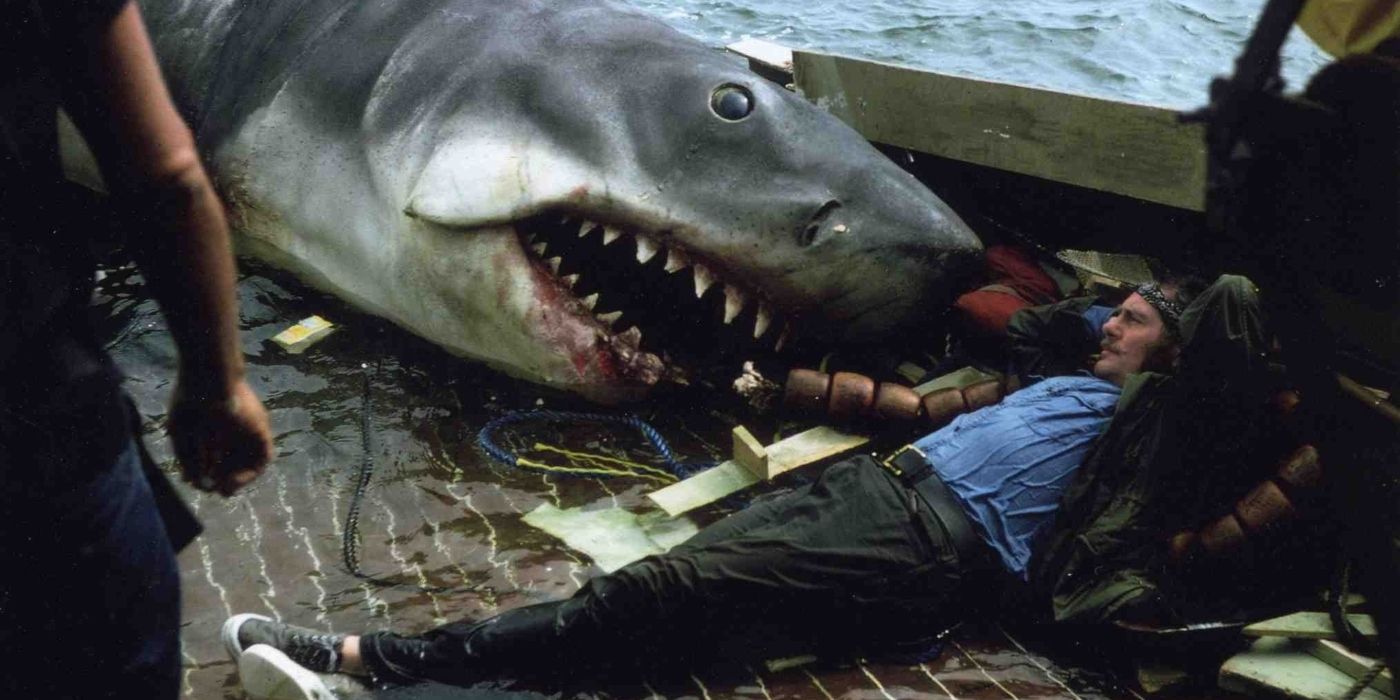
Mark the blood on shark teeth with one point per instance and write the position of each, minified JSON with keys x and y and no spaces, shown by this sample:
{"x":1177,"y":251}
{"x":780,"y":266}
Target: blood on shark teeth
{"x":570,"y":280}
{"x":554,"y":264}
{"x":733,"y":302}
{"x":703,"y":279}
{"x":760,"y":324}
{"x":675,"y":260}
{"x":646,"y":249}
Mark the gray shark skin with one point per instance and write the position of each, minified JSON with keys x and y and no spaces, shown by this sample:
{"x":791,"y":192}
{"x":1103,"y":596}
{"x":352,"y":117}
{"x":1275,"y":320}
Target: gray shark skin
{"x":537,"y":185}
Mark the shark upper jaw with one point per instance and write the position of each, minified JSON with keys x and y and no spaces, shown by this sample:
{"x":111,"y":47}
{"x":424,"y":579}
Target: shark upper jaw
{"x":616,"y":302}
{"x":658,"y":309}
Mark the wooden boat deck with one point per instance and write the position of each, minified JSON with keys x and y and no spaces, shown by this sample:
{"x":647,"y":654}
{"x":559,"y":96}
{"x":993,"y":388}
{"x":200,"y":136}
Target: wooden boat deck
{"x":438,"y":513}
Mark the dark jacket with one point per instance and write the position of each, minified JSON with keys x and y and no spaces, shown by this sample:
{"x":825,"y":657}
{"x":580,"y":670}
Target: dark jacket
{"x":1176,"y":452}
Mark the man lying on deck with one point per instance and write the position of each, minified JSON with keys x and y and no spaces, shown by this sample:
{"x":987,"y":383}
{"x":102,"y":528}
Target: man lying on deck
{"x":1059,"y":487}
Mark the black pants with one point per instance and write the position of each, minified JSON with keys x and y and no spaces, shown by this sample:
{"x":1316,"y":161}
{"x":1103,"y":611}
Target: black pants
{"x":851,"y":563}
{"x":90,"y":604}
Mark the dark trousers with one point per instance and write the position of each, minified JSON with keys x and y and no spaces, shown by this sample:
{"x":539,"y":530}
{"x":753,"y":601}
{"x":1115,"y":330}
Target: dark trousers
{"x":851,"y":563}
{"x":90,"y":601}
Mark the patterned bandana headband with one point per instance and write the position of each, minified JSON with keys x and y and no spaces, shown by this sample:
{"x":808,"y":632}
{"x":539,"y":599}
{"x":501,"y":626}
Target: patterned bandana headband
{"x":1169,"y":310}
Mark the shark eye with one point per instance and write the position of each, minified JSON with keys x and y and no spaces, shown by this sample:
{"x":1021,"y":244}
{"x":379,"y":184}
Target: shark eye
{"x":731,"y":102}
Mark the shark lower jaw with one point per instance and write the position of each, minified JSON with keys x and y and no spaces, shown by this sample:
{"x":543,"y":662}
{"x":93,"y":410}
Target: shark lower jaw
{"x":658,"y":312}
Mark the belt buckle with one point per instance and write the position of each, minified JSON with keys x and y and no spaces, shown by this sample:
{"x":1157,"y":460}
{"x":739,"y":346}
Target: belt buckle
{"x":893,"y":468}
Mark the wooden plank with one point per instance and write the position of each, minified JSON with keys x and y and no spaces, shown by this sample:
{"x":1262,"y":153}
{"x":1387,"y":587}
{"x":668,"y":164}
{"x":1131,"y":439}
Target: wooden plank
{"x":764,"y":54}
{"x":810,"y":446}
{"x":1337,"y":656}
{"x":703,"y":488}
{"x":958,"y":379}
{"x":1120,"y":147}
{"x":729,"y":477}
{"x":749,"y":452}
{"x":910,"y":372}
{"x":1278,"y":667}
{"x":611,"y":537}
{"x":1309,"y":625}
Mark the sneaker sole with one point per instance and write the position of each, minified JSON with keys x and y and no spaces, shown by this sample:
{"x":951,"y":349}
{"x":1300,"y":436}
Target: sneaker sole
{"x":229,"y":632}
{"x":267,"y":674}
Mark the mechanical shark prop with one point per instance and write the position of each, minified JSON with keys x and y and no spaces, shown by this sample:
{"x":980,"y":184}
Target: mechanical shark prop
{"x":567,"y":190}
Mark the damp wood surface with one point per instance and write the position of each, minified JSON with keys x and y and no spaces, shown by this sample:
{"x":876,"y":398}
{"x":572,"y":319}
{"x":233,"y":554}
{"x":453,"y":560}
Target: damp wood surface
{"x":437,"y":513}
{"x":752,"y":464}
{"x":1119,"y":147}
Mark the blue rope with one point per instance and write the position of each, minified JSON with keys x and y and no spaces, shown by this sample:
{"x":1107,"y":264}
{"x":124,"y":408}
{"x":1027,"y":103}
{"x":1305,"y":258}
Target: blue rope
{"x":485,"y":438}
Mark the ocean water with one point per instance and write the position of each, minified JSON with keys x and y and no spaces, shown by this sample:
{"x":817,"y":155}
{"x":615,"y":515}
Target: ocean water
{"x":1160,"y":52}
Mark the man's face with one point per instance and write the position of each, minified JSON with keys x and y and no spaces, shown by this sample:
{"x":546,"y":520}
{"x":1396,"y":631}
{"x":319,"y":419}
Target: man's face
{"x":1134,"y":339}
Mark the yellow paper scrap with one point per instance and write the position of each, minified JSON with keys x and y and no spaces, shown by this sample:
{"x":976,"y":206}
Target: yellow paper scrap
{"x":302,"y":335}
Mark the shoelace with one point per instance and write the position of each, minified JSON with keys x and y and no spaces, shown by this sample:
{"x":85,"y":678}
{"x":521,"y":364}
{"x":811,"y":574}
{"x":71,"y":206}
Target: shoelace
{"x":314,"y":651}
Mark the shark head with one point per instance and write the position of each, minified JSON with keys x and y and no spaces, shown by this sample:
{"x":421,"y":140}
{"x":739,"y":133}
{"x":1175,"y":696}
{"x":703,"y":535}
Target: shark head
{"x":569,"y":191}
{"x":654,"y":204}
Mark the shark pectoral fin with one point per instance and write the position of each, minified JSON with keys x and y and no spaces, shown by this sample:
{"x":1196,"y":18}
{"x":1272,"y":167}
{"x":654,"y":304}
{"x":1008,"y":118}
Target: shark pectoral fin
{"x":470,"y":184}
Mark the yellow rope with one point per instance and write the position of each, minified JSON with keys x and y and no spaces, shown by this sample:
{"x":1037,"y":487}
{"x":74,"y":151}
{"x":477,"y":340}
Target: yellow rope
{"x":599,"y":465}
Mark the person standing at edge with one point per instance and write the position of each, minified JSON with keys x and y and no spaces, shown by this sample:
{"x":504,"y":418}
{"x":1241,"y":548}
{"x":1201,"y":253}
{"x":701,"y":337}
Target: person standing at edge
{"x":89,"y":558}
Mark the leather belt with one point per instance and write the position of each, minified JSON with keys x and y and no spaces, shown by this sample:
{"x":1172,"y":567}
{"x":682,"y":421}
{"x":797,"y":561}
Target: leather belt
{"x":914,"y":470}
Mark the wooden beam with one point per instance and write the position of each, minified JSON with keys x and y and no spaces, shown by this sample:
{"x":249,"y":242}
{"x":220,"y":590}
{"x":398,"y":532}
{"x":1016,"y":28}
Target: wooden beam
{"x":765,"y":57}
{"x":1309,"y":625}
{"x":967,"y":376}
{"x":1120,"y":147}
{"x":1278,"y":668}
{"x":1351,"y":663}
{"x":750,"y":454}
{"x":729,"y":477}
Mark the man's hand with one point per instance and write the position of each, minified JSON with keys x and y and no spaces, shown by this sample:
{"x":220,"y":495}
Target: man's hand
{"x":221,"y":447}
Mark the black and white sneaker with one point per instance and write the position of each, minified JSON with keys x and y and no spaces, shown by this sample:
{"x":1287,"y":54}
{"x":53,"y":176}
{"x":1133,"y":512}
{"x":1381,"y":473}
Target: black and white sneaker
{"x":315,"y":651}
{"x":267,"y":674}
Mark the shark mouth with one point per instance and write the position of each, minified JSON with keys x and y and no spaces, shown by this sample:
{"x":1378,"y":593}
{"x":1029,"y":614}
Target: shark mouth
{"x":663,"y":309}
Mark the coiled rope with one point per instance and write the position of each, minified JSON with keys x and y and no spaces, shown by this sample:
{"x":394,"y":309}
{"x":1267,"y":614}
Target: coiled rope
{"x":582,"y":463}
{"x":576,"y":464}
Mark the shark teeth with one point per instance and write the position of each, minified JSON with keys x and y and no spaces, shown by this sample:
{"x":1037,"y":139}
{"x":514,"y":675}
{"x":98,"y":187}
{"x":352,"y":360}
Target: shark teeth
{"x":704,"y":279}
{"x":646,"y":249}
{"x":734,"y":300}
{"x":760,"y":324}
{"x":675,"y":260}
{"x":597,"y":270}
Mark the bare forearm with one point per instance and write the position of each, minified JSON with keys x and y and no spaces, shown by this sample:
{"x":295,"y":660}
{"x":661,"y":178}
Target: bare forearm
{"x":177,"y":231}
{"x":178,"y":235}
{"x":181,"y":243}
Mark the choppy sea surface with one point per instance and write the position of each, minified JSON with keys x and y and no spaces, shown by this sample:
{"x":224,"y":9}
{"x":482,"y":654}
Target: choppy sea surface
{"x":1161,"y":52}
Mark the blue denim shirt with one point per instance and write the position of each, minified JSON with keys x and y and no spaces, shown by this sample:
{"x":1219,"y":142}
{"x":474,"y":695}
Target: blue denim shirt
{"x":1008,"y":463}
